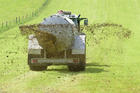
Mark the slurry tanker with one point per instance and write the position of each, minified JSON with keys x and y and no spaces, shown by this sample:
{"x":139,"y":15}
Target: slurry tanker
{"x":57,"y":40}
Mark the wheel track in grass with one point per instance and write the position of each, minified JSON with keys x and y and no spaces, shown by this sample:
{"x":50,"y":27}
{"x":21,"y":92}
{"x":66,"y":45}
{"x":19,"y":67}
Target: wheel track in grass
{"x":18,"y":84}
{"x":18,"y":81}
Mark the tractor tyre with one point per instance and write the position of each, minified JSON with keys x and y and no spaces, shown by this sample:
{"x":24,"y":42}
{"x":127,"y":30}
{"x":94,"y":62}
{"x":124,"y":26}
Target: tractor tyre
{"x":35,"y":68}
{"x":80,"y":66}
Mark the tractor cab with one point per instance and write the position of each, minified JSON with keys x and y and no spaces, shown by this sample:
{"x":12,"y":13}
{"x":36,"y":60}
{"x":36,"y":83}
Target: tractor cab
{"x":76,"y":19}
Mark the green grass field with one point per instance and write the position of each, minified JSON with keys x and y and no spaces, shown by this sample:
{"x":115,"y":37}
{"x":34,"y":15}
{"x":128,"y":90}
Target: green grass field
{"x":10,"y":9}
{"x":112,"y":65}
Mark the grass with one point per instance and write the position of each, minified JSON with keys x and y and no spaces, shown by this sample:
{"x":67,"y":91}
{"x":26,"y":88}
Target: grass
{"x":10,"y":9}
{"x":112,"y":65}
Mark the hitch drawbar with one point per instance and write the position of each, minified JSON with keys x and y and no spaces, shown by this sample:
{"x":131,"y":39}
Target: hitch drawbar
{"x":54,"y":61}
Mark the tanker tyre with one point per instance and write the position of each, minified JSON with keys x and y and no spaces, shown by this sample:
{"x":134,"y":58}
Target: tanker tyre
{"x":78,"y":67}
{"x":35,"y":68}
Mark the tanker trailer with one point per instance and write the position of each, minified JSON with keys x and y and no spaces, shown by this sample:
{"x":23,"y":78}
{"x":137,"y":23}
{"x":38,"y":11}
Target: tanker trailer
{"x":56,"y":41}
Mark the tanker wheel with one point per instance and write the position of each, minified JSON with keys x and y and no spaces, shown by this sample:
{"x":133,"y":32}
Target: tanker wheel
{"x":35,"y":68}
{"x":80,"y":66}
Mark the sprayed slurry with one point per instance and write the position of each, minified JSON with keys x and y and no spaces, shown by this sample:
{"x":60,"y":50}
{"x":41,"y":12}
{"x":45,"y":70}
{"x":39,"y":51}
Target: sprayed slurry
{"x":106,"y":41}
{"x":105,"y":31}
{"x":53,"y":38}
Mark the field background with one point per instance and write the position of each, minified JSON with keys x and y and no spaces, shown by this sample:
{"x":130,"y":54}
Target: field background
{"x":10,"y":9}
{"x":107,"y":71}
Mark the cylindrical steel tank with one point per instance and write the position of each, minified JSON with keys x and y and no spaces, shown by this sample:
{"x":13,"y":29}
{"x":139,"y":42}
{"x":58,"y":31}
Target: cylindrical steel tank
{"x":55,"y":34}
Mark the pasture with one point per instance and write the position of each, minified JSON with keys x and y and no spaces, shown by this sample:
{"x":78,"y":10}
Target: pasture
{"x":112,"y":63}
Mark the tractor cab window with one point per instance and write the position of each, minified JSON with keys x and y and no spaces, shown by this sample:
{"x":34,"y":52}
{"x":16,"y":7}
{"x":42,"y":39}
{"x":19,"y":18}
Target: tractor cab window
{"x":75,"y":20}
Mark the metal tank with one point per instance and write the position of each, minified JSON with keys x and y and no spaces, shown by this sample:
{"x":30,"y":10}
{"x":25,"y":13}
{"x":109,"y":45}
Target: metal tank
{"x":56,"y":33}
